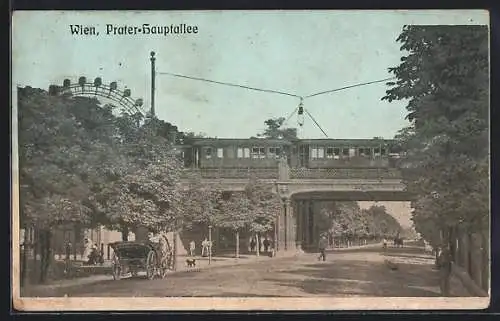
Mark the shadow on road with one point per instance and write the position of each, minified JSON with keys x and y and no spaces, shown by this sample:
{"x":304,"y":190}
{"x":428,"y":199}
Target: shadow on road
{"x":234,"y":295}
{"x":363,"y":278}
{"x":379,"y":249}
{"x":408,"y":256}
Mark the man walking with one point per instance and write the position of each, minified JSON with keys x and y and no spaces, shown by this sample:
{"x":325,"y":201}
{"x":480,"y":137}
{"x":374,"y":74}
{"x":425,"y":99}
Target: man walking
{"x":266,"y":245}
{"x":444,"y":264}
{"x":192,"y":247}
{"x":204,"y":248}
{"x":323,"y":242}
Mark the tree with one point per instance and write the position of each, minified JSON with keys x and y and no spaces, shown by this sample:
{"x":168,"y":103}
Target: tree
{"x":235,"y":213}
{"x":148,"y":197}
{"x":265,"y":206}
{"x":444,"y":77}
{"x":57,"y":156}
{"x":79,"y":163}
{"x":275,"y":130}
{"x":200,"y":202}
{"x":347,"y":222}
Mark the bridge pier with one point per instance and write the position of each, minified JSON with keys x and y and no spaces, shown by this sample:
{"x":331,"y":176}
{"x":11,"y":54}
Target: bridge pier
{"x":304,"y":229}
{"x":289,"y":239}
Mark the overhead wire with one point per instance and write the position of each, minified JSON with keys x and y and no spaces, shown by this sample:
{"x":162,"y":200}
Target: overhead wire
{"x":230,"y":84}
{"x":302,"y":98}
{"x":348,"y":87}
{"x":314,"y":120}
{"x":291,"y":115}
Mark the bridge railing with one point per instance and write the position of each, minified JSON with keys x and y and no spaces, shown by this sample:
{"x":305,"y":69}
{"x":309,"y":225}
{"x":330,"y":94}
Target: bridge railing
{"x":344,"y":173}
{"x":263,"y":173}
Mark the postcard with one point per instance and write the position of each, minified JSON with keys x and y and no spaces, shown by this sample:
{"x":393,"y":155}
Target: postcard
{"x":250,"y":160}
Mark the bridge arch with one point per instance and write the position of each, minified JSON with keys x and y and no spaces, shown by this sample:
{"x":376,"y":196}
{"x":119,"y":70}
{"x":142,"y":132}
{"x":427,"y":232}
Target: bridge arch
{"x":111,"y":92}
{"x":296,"y":225}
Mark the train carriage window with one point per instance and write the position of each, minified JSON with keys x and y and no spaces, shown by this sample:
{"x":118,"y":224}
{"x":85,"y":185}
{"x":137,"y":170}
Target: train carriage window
{"x":368,"y":151}
{"x":336,"y":153}
{"x":246,"y":152}
{"x":361,"y":151}
{"x":376,"y":152}
{"x":314,"y":153}
{"x":383,"y":152}
{"x":274,"y":152}
{"x":352,"y":152}
{"x":258,"y":152}
{"x":220,"y":152}
{"x":255,"y":152}
{"x":318,"y":152}
{"x":345,"y":151}
{"x":329,"y":152}
{"x":262,"y":152}
{"x":239,"y":153}
{"x":208,"y":152}
{"x":321,"y":152}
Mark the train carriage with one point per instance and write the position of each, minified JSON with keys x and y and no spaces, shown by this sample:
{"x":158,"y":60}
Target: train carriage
{"x":341,"y":153}
{"x":234,"y":157}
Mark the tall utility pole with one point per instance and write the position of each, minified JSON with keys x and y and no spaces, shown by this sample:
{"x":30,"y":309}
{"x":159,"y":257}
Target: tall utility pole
{"x":153,"y":76}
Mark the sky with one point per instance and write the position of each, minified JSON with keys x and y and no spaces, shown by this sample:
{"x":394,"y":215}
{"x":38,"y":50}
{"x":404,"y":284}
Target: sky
{"x":300,"y":52}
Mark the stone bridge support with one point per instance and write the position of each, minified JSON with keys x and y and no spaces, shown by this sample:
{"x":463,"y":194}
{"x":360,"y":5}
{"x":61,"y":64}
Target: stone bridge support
{"x":288,"y":225}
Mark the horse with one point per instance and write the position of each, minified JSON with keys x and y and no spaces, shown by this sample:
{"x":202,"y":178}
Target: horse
{"x":398,"y":242}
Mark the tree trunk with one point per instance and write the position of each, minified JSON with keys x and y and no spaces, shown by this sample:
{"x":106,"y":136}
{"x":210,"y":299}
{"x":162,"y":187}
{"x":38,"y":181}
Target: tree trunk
{"x":237,"y":236}
{"x":485,"y":273}
{"x":36,"y":249}
{"x":45,"y":254}
{"x":257,"y":244}
{"x":24,"y":259}
{"x":125,"y":234}
{"x":174,"y":254}
{"x":469,"y":253}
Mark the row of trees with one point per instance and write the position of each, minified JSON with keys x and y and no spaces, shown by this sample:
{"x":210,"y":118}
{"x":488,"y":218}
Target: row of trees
{"x":445,"y":81}
{"x":83,"y":163}
{"x":346,"y":222}
{"x":254,"y":209}
{"x":80,"y":163}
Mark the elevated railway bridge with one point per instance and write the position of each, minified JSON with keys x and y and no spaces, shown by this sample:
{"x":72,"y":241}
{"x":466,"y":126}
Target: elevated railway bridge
{"x":303,"y":173}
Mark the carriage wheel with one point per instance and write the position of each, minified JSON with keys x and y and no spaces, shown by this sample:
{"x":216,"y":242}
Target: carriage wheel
{"x":151,"y":265}
{"x":116,"y":268}
{"x":170,"y":262}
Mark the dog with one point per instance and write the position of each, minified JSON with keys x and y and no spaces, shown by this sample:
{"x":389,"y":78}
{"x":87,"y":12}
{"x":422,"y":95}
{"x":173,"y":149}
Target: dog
{"x":191,"y":262}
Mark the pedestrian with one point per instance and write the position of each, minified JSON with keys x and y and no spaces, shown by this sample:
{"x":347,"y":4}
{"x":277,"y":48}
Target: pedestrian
{"x":323,"y":243}
{"x":444,"y":265}
{"x":192,"y":247}
{"x":252,"y":245}
{"x":266,"y":245}
{"x":88,"y":251}
{"x":384,"y":243}
{"x":204,"y":247}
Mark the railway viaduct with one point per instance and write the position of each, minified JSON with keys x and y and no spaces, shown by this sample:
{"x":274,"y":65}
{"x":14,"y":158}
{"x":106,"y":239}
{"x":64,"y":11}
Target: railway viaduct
{"x":300,"y":188}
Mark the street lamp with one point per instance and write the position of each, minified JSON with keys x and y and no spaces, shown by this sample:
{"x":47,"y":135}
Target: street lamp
{"x":209,"y":244}
{"x":282,"y":192}
{"x":153,"y":76}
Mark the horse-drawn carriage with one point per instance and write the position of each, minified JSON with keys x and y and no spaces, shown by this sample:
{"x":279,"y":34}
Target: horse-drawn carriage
{"x":132,"y":257}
